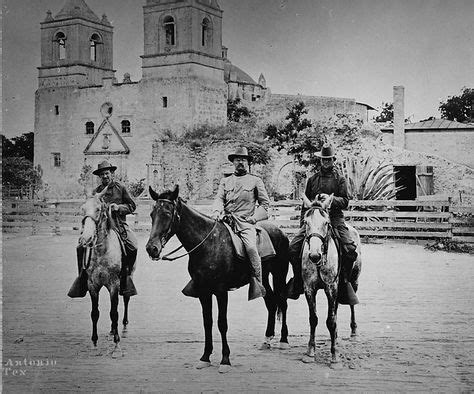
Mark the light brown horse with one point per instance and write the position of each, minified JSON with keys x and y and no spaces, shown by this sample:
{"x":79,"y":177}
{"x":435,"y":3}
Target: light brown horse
{"x":320,"y":270}
{"x":104,"y":260}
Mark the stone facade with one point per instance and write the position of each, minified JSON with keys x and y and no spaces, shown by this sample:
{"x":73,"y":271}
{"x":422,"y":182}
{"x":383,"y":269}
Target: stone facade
{"x":451,"y":140}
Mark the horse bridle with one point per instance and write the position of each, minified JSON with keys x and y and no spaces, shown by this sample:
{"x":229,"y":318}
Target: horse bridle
{"x":325,"y":243}
{"x":96,"y":221}
{"x":169,"y":233}
{"x":175,"y":215}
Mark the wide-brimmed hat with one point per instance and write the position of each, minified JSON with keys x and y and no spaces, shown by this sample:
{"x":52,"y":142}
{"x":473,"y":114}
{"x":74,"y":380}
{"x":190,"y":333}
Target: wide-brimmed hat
{"x":105,"y":165}
{"x":240,"y":152}
{"x":326,"y":152}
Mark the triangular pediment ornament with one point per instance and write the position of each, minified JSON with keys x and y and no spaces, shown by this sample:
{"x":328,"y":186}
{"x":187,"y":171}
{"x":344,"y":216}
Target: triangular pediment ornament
{"x":106,"y":141}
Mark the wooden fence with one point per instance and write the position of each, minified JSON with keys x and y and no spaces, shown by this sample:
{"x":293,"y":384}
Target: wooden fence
{"x":373,"y":219}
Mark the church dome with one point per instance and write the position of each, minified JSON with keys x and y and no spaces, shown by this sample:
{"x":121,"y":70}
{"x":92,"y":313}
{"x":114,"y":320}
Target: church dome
{"x":235,"y":74}
{"x":77,"y":9}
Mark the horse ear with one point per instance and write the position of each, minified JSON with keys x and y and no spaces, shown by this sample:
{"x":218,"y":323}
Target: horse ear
{"x":153,"y":194}
{"x":174,"y":194}
{"x":306,"y":201}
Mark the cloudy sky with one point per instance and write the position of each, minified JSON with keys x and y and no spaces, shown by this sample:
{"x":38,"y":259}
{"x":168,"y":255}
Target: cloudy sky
{"x":343,"y":48}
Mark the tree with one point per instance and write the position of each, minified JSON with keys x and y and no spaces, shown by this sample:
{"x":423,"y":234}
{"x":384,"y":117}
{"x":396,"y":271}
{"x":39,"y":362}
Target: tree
{"x":17,"y":166}
{"x":386,"y":114}
{"x":22,"y":146}
{"x":295,"y":124}
{"x":19,"y":172}
{"x":236,"y":111}
{"x":459,"y":108}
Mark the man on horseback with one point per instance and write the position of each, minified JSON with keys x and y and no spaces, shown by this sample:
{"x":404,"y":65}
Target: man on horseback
{"x":325,"y":182}
{"x":237,"y":196}
{"x":121,"y":204}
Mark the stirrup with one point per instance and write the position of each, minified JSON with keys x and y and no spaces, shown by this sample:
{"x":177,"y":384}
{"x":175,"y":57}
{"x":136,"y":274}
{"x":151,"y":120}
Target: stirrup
{"x":190,"y":290}
{"x":256,"y":289}
{"x":79,"y":288}
{"x":292,"y":291}
{"x":127,"y":287}
{"x":346,"y":295}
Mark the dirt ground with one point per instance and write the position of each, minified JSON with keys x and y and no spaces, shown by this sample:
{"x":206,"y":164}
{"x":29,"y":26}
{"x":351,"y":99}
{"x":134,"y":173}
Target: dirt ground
{"x":414,"y":321}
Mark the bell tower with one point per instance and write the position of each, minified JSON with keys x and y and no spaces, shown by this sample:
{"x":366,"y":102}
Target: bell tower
{"x":76,"y":47}
{"x":182,"y":37}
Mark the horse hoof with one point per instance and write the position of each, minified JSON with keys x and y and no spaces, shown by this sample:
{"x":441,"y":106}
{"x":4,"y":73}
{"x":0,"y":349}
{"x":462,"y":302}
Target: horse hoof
{"x":117,"y":352}
{"x":203,"y":364}
{"x":353,"y":334}
{"x":284,"y":345}
{"x":307,"y":359}
{"x":224,"y":368}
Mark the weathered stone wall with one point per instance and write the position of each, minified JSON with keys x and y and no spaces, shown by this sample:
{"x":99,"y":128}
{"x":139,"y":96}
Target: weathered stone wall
{"x":450,"y":178}
{"x":454,"y":145}
{"x":276,"y":106}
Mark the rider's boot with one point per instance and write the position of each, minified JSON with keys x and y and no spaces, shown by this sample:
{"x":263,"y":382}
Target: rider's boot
{"x":127,"y":287}
{"x":295,"y":285}
{"x":79,"y":287}
{"x":256,"y":288}
{"x":190,"y":290}
{"x":346,"y":294}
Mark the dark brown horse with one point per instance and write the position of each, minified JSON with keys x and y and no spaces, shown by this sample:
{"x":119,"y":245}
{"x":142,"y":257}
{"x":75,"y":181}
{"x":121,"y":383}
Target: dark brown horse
{"x":213,"y":265}
{"x":103,"y":263}
{"x":320,"y":270}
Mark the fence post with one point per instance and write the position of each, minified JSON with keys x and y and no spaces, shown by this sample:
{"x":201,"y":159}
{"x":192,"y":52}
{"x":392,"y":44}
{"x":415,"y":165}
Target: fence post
{"x":34,"y":221}
{"x":57,"y":221}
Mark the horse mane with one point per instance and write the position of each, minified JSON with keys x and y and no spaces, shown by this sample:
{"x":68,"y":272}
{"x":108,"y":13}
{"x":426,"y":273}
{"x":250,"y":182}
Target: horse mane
{"x":167,"y":195}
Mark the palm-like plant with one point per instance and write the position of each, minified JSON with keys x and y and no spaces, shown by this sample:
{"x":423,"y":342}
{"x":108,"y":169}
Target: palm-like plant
{"x":367,"y":180}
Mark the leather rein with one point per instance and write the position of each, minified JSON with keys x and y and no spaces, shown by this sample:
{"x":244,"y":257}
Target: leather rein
{"x":175,"y":221}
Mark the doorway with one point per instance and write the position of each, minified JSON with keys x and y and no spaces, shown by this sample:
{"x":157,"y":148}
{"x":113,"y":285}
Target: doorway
{"x":405,"y":181}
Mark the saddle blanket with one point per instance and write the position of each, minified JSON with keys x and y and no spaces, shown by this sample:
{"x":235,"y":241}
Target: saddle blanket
{"x":264,"y":243}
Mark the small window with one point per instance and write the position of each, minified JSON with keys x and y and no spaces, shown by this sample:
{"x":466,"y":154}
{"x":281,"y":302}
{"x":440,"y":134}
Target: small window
{"x":165,"y":102}
{"x":89,"y":127}
{"x":61,"y":45}
{"x":169,"y":27}
{"x":126,"y":126}
{"x":205,"y":32}
{"x":56,"y":159}
{"x":94,"y":42}
{"x":56,"y":109}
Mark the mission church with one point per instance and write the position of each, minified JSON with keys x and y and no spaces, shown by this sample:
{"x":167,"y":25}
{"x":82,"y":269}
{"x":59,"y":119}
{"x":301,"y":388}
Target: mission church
{"x":83,"y":115}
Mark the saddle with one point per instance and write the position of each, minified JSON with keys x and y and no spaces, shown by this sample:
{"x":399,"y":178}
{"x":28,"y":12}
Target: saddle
{"x":264,"y":244}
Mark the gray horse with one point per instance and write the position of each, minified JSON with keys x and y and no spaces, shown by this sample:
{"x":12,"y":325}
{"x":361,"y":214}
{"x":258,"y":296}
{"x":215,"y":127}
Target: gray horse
{"x":320,"y":270}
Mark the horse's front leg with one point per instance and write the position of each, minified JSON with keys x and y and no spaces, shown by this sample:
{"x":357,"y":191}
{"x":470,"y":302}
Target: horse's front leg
{"x":279,"y":286}
{"x":126,"y":299}
{"x":313,"y":322}
{"x":94,"y":314}
{"x":353,"y":322}
{"x":206,"y":305}
{"x":331,"y":321}
{"x":271,"y":304}
{"x":222,"y":301}
{"x":114,"y":316}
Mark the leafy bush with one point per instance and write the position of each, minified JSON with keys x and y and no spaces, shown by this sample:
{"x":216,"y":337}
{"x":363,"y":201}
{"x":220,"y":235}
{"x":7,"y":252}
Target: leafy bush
{"x":367,"y":180}
{"x":136,"y":187}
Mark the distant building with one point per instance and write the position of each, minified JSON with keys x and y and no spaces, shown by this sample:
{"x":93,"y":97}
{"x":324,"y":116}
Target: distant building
{"x":445,"y":138}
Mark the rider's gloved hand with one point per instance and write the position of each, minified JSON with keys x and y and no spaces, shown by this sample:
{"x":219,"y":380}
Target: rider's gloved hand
{"x":216,"y":215}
